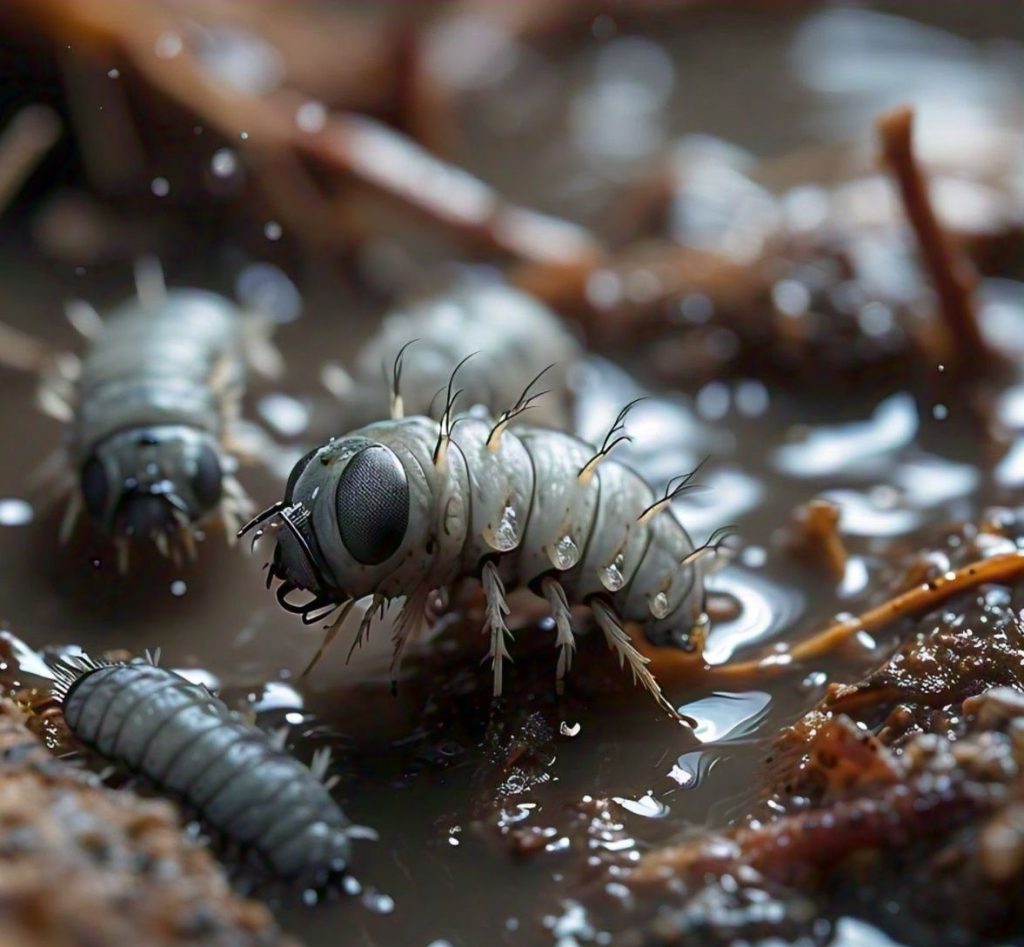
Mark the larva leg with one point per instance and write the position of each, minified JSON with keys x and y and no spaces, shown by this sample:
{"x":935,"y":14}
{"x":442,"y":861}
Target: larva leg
{"x":620,"y":643}
{"x":71,"y":514}
{"x":565,"y":640}
{"x":410,"y":621}
{"x":494,"y":625}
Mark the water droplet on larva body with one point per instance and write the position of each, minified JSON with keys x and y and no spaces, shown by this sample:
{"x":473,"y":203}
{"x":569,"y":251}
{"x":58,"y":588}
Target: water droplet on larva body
{"x":611,"y":575}
{"x":565,"y":553}
{"x":659,"y":605}
{"x":505,"y":535}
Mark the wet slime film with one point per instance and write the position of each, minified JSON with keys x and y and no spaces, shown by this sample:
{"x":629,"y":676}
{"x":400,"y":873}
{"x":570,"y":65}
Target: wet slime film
{"x":511,"y":473}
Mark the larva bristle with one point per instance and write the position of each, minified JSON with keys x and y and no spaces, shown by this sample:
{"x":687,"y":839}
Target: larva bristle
{"x":619,"y":641}
{"x":321,"y":763}
{"x":409,"y":623}
{"x":68,"y":669}
{"x":494,"y":623}
{"x":565,"y":640}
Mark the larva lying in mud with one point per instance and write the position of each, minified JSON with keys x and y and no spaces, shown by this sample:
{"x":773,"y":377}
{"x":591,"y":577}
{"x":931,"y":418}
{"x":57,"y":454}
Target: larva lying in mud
{"x":513,"y":334}
{"x":407,"y":506}
{"x":184,"y":740}
{"x":152,"y":411}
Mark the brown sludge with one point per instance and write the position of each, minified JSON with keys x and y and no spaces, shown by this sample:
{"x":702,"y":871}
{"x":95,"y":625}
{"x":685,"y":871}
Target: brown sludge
{"x":904,"y":789}
{"x":82,"y":864}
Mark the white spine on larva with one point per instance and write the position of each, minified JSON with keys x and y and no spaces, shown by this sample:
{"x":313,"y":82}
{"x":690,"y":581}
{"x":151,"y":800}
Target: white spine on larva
{"x":515,"y":507}
{"x":186,"y":741}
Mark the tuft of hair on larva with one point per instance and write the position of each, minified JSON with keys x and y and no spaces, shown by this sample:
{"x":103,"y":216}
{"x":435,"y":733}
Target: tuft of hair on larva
{"x":69,"y":669}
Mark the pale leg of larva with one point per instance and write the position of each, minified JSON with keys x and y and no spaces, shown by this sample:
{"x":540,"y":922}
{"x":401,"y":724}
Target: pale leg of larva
{"x":620,"y":643}
{"x":565,"y":641}
{"x":494,"y":623}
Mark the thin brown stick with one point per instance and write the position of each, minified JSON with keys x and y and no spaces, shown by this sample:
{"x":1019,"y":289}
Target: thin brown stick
{"x":668,"y":664}
{"x":951,"y":272}
{"x":349,"y":147}
{"x":28,"y":136}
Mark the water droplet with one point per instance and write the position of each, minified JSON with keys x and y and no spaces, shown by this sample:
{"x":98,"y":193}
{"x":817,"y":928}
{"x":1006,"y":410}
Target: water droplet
{"x":272,"y":230}
{"x":565,"y":553}
{"x":113,"y":73}
{"x":244,"y":136}
{"x":168,"y":45}
{"x":224,"y":163}
{"x":15,"y":512}
{"x":659,"y":605}
{"x":311,"y":117}
{"x":178,"y":588}
{"x":611,"y":575}
{"x":506,"y":535}
{"x":161,"y":187}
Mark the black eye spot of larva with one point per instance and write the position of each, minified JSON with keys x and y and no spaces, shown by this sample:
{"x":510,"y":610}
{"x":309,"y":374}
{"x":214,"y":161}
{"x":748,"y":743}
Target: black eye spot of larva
{"x":207,"y":479}
{"x":95,"y":487}
{"x":372,"y":505}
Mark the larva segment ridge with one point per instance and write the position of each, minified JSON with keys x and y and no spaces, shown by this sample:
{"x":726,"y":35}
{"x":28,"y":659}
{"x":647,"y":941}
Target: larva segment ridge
{"x":185,"y":741}
{"x":515,"y":507}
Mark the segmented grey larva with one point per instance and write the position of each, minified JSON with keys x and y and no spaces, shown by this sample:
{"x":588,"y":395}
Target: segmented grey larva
{"x":403,"y":507}
{"x":152,"y":413}
{"x":514,"y":335}
{"x":186,"y":741}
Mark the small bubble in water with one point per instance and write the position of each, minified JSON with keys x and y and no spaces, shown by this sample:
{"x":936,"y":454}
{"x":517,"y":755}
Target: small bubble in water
{"x":178,"y":588}
{"x":244,"y":136}
{"x":224,"y":163}
{"x":569,"y":730}
{"x":15,"y":512}
{"x":161,"y":187}
{"x":940,"y":412}
{"x":311,"y":117}
{"x":310,"y":897}
{"x":168,"y":45}
{"x":113,"y":73}
{"x":272,"y":230}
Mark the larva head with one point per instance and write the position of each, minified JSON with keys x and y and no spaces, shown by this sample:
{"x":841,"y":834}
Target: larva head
{"x":152,"y":481}
{"x":348,"y":517}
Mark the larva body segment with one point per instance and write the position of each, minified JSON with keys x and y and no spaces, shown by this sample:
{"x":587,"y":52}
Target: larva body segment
{"x":152,"y":414}
{"x":521,"y":506}
{"x":515,"y":337}
{"x":183,"y":740}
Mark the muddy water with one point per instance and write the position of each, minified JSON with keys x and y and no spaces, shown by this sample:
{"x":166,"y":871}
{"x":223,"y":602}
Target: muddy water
{"x":409,"y":761}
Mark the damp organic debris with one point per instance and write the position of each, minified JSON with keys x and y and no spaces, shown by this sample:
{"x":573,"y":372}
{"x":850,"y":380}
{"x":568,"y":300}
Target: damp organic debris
{"x":565,"y":347}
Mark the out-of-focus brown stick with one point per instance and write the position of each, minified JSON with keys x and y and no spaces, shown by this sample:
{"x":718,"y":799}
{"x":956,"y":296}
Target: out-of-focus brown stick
{"x":669,"y":664}
{"x":349,"y":145}
{"x":815,"y":538}
{"x":951,"y":272}
{"x":28,"y":136}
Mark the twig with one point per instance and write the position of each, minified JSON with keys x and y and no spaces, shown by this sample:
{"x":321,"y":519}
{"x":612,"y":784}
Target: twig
{"x":670,"y":663}
{"x":951,"y":272}
{"x":349,"y":147}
